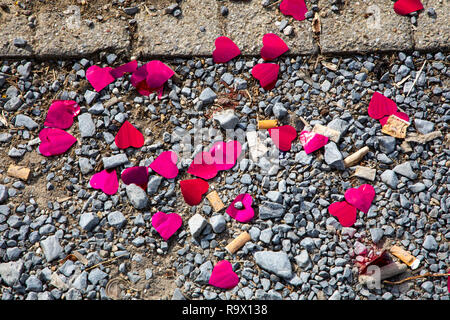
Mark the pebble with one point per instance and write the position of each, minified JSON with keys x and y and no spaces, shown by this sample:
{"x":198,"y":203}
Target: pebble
{"x":86,"y":125}
{"x":207,"y":96}
{"x":389,"y":178}
{"x":405,"y":169}
{"x":424,"y":126}
{"x":218,"y":223}
{"x":196,"y":224}
{"x":115,"y":161}
{"x":51,"y":247}
{"x":274,"y":262}
{"x":137,"y":196}
{"x":88,"y":221}
{"x":333,"y":156}
{"x":228,"y":120}
{"x":116,"y":219}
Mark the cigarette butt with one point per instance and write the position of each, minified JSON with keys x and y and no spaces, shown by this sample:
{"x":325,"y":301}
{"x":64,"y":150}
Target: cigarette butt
{"x":267,"y":124}
{"x":385,"y":272}
{"x":405,"y":256}
{"x":356,"y":157}
{"x":18,"y":172}
{"x":237,"y":243}
{"x":216,"y":202}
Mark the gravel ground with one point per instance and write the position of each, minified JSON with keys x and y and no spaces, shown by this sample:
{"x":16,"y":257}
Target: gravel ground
{"x":56,"y":213}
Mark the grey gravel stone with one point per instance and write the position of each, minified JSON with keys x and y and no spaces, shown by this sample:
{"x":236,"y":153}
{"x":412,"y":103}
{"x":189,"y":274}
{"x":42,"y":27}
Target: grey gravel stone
{"x":153,"y":184}
{"x":25,"y":121}
{"x":88,"y":221}
{"x":33,"y":284}
{"x":115,"y":161}
{"x":274,"y":262}
{"x":270,"y":210}
{"x":86,"y":125}
{"x":389,"y":178}
{"x":3,"y":193}
{"x":196,"y":224}
{"x":116,"y":219}
{"x":387,"y":144}
{"x":405,"y":169}
{"x":218,"y":223}
{"x":51,"y":247}
{"x":85,"y":165}
{"x":430,"y":243}
{"x":207,"y":96}
{"x":333,"y":156}
{"x":137,"y":196}
{"x":227,"y":119}
{"x":10,"y":272}
{"x":424,"y":126}
{"x":303,"y":259}
{"x":376,"y":234}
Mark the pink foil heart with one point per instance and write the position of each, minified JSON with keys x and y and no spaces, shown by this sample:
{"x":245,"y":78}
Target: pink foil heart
{"x":273,"y":46}
{"x":380,"y":106}
{"x":404,"y":7}
{"x":242,"y":215}
{"x":166,"y":164}
{"x":295,"y":8}
{"x":267,"y":74}
{"x":61,"y":113}
{"x":312,"y":141}
{"x":137,"y":175}
{"x":125,"y":68}
{"x":223,"y":276}
{"x":345,"y":212}
{"x":99,"y":77}
{"x":55,"y":141}
{"x":166,"y":224}
{"x":225,"y":154}
{"x":105,"y":180}
{"x":151,"y":77}
{"x":399,"y":114}
{"x":283,"y":136}
{"x":225,"y":50}
{"x":203,"y":166}
{"x":361,"y":198}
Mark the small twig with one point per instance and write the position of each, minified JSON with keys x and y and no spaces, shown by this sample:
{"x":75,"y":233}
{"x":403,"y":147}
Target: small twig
{"x":272,"y":4}
{"x":417,"y":77}
{"x":107,"y":261}
{"x":418,"y":277}
{"x":251,"y":99}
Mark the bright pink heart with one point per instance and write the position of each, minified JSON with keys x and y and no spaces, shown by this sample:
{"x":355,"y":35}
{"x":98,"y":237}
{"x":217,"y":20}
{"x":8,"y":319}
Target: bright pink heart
{"x":203,"y":166}
{"x":105,"y":180}
{"x":61,"y":113}
{"x":121,"y":70}
{"x":273,"y":47}
{"x":225,"y":50}
{"x":225,"y":154}
{"x":193,"y":190}
{"x":345,"y":212}
{"x":166,"y":164}
{"x":129,"y":136}
{"x":404,"y":7}
{"x":312,"y":141}
{"x":55,"y":141}
{"x":399,"y":114}
{"x":166,"y":224}
{"x":361,"y":198}
{"x":137,"y":175}
{"x":223,"y":276}
{"x":242,"y":215}
{"x":99,"y":77}
{"x":151,"y":77}
{"x":283,"y":136}
{"x":380,"y":106}
{"x":267,"y":74}
{"x":448,"y":281}
{"x":295,"y":8}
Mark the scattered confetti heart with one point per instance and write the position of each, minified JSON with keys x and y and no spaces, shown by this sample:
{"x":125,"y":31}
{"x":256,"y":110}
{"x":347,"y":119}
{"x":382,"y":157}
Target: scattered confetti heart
{"x":448,"y":282}
{"x":345,"y":212}
{"x":312,"y":141}
{"x":55,"y":141}
{"x":267,"y":74}
{"x":151,"y":77}
{"x":361,"y":198}
{"x":242,"y":215}
{"x":61,"y":113}
{"x":273,"y":46}
{"x":166,"y":164}
{"x":404,"y":7}
{"x":105,"y":180}
{"x":399,"y":114}
{"x":129,"y":136}
{"x":380,"y":106}
{"x":225,"y":50}
{"x":223,"y":276}
{"x":166,"y":224}
{"x":283,"y":136}
{"x":125,"y":68}
{"x":225,"y":154}
{"x":295,"y":8}
{"x":137,"y":175}
{"x":193,"y":190}
{"x":99,"y":77}
{"x":203,"y":166}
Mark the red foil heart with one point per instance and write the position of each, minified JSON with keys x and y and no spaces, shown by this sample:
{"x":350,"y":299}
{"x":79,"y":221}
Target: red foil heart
{"x":129,"y":136}
{"x":193,"y":190}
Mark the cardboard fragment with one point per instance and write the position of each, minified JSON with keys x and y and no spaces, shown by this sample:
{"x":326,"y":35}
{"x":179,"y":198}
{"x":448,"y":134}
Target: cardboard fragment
{"x":216,"y":202}
{"x":365,"y":173}
{"x":395,"y":127}
{"x":423,"y":138}
{"x":332,"y":134}
{"x":18,"y":172}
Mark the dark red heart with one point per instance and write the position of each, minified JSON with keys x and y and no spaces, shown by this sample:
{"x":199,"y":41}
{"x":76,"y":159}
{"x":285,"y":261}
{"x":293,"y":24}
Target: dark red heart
{"x":273,"y":46}
{"x":225,"y":50}
{"x":136,"y":175}
{"x":404,"y":7}
{"x":193,"y":190}
{"x":129,"y":136}
{"x":283,"y":136}
{"x":267,"y":74}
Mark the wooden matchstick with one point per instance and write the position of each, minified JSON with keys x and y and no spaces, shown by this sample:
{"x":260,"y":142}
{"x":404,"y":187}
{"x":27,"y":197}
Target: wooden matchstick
{"x":237,"y":243}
